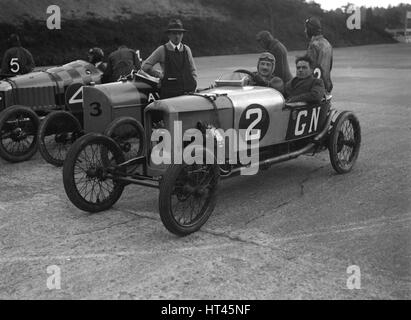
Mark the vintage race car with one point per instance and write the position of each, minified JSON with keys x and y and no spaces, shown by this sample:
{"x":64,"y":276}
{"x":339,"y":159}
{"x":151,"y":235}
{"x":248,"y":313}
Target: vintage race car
{"x":25,"y":99}
{"x":103,"y":106}
{"x":185,"y":150}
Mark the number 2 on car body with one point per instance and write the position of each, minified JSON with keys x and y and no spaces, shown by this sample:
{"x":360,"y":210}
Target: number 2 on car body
{"x":248,"y":135}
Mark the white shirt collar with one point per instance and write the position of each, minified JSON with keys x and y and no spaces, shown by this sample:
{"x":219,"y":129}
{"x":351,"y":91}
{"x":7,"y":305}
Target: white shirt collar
{"x":175,"y":46}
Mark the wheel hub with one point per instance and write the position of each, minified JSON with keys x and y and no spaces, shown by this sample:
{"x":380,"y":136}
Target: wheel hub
{"x":98,"y":173}
{"x":62,"y":137}
{"x":18,"y":134}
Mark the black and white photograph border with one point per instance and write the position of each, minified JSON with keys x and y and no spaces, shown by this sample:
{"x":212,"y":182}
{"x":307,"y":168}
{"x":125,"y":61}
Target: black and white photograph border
{"x":306,"y":225}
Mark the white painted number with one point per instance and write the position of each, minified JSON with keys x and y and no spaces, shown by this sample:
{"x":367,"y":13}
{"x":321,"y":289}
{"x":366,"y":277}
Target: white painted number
{"x":14,"y":65}
{"x":248,"y":135}
{"x":77,"y":97}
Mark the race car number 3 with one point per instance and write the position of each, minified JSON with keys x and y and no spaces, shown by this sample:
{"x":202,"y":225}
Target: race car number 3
{"x":95,"y":109}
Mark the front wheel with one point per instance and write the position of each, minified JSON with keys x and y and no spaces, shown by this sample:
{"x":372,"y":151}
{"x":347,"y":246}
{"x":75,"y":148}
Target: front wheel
{"x":88,"y":176}
{"x":57,"y":133}
{"x":18,"y":133}
{"x":344,"y":142}
{"x":188,"y":195}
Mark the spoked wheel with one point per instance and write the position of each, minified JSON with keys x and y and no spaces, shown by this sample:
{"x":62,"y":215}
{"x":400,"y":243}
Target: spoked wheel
{"x":188,"y":196}
{"x":345,"y":142}
{"x":87,"y":173}
{"x":57,"y":133}
{"x":129,"y":135}
{"x":18,"y":133}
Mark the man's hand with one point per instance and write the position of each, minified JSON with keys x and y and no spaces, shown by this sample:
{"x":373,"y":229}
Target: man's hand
{"x":259,"y":80}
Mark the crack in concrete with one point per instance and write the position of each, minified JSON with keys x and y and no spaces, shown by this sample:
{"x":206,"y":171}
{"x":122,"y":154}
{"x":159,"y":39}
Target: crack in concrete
{"x":105,"y":228}
{"x":309,"y":176}
{"x":264,"y":214}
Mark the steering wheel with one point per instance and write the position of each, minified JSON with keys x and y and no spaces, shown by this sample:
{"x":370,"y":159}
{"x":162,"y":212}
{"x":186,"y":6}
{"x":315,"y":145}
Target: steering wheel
{"x":249,"y":73}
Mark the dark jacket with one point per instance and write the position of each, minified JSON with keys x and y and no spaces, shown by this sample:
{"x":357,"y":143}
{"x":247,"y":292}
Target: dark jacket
{"x":17,"y":60}
{"x":321,"y":53}
{"x":273,"y":82}
{"x":120,"y":63}
{"x":309,"y":89}
{"x":279,"y":51}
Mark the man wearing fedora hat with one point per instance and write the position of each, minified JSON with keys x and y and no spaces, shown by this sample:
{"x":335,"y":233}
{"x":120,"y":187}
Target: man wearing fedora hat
{"x":178,"y":73}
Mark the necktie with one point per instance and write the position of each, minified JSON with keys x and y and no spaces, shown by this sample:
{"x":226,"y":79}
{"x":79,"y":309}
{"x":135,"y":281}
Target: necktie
{"x":176,"y":50}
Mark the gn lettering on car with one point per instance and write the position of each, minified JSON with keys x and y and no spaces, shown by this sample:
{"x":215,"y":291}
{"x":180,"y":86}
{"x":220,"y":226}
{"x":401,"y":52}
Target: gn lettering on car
{"x":303,"y":122}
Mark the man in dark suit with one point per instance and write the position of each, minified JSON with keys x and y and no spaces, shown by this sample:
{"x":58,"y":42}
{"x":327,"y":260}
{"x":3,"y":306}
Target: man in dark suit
{"x":305,"y":87}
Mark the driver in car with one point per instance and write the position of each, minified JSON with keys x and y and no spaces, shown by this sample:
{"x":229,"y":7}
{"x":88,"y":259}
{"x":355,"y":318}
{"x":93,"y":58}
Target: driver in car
{"x":265,"y":73}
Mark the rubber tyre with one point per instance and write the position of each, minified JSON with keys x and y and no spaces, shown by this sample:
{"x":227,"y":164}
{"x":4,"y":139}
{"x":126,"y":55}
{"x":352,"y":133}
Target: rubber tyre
{"x":35,"y":122}
{"x":51,"y":119}
{"x":122,"y":122}
{"x":69,"y":181}
{"x":167,"y":188}
{"x":336,"y":143}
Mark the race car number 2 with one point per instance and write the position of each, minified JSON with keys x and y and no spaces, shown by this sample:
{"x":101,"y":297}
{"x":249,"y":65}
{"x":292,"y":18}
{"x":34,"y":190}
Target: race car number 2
{"x":255,"y":121}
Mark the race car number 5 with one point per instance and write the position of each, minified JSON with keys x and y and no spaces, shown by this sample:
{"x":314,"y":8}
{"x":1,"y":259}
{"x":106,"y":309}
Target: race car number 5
{"x":96,"y":109}
{"x":14,"y":65}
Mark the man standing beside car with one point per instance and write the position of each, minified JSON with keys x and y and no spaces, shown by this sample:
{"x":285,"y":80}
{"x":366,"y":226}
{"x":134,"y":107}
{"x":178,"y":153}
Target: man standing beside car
{"x":17,"y":60}
{"x":178,"y":73}
{"x":279,"y":51}
{"x":320,"y":51}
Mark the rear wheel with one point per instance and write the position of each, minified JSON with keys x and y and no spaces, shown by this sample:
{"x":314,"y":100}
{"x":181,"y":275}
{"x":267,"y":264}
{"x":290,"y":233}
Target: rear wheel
{"x":57,"y":133}
{"x":128,"y":133}
{"x":188,"y":195}
{"x":87,"y":177}
{"x":18,"y":133}
{"x":344,"y":142}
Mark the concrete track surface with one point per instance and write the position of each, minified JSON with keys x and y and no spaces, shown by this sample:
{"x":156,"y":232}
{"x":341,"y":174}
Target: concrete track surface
{"x":289,"y":232}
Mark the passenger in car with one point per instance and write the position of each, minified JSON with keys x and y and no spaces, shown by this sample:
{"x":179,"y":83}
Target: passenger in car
{"x":305,"y":87}
{"x":265,"y":73}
